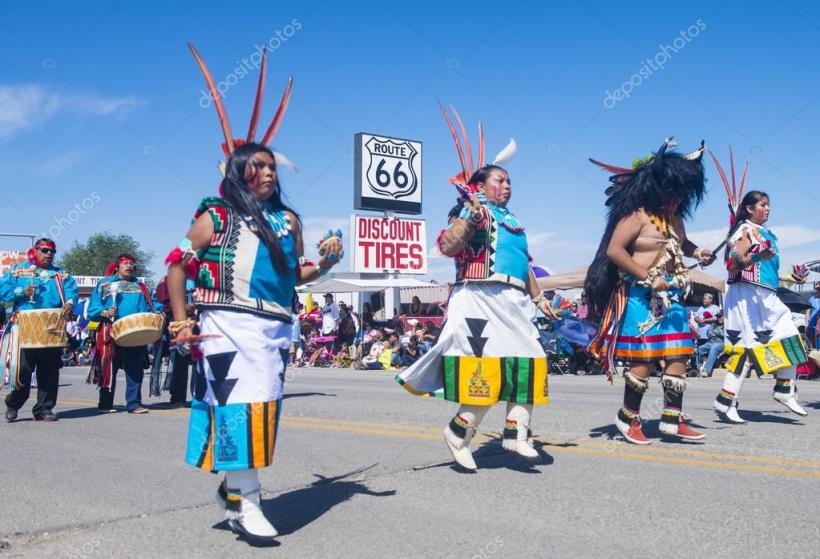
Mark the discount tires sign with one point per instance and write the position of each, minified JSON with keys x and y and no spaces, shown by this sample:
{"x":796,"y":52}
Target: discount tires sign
{"x":387,"y":174}
{"x":382,"y":244}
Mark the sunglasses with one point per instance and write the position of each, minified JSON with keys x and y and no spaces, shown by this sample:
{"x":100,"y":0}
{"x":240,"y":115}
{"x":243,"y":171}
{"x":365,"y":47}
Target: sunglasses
{"x":48,"y":250}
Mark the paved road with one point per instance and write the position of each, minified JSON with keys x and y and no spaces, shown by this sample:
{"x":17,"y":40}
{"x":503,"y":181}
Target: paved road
{"x":361,"y":471}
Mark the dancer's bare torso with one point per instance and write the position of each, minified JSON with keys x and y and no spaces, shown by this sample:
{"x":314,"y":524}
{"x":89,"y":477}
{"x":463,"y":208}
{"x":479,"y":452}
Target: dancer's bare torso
{"x":647,"y":241}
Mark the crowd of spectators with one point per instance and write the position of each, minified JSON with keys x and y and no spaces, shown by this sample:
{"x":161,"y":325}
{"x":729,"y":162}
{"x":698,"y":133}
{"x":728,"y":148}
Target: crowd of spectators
{"x":334,"y":335}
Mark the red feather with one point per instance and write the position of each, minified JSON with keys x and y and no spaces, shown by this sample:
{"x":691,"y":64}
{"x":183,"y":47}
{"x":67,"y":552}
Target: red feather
{"x":614,"y":169}
{"x":220,"y":108}
{"x":469,"y":159}
{"x":280,"y":114}
{"x":455,"y":138}
{"x":257,"y":105}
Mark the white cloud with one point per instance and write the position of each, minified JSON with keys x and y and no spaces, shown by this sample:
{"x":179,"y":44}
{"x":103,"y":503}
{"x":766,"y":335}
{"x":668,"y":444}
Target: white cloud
{"x":708,"y":237}
{"x":788,"y":236}
{"x":29,"y":106}
{"x":57,"y":165}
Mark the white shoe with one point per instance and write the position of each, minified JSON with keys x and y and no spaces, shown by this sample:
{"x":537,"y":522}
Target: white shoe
{"x":790,"y":402}
{"x":733,"y":416}
{"x":245,"y":517}
{"x":522,"y":448}
{"x":460,"y":448}
{"x":729,"y":413}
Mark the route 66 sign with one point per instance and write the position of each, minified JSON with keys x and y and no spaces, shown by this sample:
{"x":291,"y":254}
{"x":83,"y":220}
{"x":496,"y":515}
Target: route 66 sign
{"x":387,"y":174}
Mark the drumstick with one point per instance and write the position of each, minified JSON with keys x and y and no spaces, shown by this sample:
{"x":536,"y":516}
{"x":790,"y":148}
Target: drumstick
{"x":115,"y":286}
{"x":33,"y":291}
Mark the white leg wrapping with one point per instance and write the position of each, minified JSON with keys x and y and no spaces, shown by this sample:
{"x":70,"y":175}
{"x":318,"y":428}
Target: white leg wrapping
{"x":733,"y":383}
{"x":520,"y":415}
{"x":244,"y":512}
{"x":789,"y":399}
{"x":468,"y":418}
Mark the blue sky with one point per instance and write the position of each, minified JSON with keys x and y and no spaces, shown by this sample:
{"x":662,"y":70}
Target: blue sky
{"x":99,"y":107}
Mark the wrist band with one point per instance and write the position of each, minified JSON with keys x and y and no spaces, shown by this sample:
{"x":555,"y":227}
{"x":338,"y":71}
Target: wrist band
{"x":697,"y":253}
{"x":756,"y":258}
{"x":177,"y":326}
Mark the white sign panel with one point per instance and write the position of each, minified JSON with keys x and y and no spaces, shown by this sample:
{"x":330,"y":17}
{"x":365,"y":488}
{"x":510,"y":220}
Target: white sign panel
{"x":382,"y":244}
{"x":387,"y":174}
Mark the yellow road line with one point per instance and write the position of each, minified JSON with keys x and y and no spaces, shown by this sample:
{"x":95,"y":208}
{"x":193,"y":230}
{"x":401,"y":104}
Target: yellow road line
{"x":582,"y":446}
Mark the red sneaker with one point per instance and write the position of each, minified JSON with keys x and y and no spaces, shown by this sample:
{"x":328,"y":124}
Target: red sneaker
{"x":686,"y":432}
{"x":683,"y":431}
{"x":632,"y":432}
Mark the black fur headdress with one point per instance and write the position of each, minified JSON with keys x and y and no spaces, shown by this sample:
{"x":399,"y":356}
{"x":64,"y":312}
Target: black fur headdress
{"x":649,"y":185}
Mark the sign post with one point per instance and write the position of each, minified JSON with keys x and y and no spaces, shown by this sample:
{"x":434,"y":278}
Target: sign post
{"x":387,"y":174}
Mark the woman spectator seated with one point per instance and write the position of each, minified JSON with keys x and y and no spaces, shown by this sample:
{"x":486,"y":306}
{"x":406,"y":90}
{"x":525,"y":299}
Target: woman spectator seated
{"x":407,"y":353}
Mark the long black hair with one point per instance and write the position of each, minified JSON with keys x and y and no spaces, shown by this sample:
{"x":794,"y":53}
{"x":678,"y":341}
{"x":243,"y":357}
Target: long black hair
{"x":240,"y":197}
{"x":750,"y":199}
{"x":651,"y":187}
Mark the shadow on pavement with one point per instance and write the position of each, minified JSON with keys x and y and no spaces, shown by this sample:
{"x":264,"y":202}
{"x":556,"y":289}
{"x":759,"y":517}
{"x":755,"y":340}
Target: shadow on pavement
{"x":490,"y":456}
{"x":82,"y":413}
{"x":294,"y":510}
{"x":761,"y":417}
{"x":306,"y":394}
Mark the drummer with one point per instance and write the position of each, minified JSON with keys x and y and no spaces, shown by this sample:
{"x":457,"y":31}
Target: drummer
{"x":33,"y":285}
{"x":118,"y":295}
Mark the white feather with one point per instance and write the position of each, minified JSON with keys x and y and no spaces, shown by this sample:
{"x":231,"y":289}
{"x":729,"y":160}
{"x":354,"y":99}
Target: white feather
{"x":507,"y":153}
{"x":283,"y":161}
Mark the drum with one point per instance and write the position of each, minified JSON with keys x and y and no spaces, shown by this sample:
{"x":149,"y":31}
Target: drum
{"x":41,"y":328}
{"x":137,"y":329}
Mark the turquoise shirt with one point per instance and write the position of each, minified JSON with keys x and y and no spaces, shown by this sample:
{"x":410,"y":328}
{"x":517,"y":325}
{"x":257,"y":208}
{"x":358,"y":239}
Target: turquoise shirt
{"x":130,"y":298}
{"x":770,"y":269}
{"x":512,"y":255}
{"x":46,"y":295}
{"x":265,"y":282}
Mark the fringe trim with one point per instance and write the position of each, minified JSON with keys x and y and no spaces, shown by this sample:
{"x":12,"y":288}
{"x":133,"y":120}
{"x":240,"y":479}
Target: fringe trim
{"x":635,"y":382}
{"x":456,"y":441}
{"x":671,"y":382}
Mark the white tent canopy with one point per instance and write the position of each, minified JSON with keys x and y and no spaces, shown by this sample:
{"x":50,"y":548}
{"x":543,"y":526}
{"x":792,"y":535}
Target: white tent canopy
{"x":574,"y":279}
{"x":358,"y":285}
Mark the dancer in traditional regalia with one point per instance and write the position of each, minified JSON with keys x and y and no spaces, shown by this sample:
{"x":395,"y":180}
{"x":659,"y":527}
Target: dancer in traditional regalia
{"x":758,"y":327}
{"x":638,"y":282}
{"x":245,"y":250}
{"x":488,"y":349}
{"x":35,"y":335}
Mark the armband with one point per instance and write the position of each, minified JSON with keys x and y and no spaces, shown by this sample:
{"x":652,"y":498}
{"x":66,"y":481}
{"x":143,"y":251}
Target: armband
{"x":186,"y":255}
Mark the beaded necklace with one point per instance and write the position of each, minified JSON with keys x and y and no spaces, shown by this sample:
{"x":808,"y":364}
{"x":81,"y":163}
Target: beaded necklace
{"x":508,"y":220}
{"x":278,"y":220}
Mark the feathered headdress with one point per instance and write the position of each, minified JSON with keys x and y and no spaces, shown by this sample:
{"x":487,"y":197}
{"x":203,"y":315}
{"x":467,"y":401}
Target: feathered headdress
{"x":649,"y":185}
{"x":622,"y":176}
{"x":232,"y":143}
{"x":734,"y":193}
{"x":465,"y":152}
